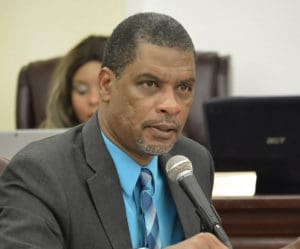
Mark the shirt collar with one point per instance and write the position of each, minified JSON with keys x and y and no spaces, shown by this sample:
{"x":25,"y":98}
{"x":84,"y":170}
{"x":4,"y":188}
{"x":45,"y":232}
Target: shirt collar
{"x":128,"y":170}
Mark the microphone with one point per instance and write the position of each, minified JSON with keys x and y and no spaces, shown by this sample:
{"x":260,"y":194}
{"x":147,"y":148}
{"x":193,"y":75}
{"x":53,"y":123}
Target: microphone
{"x":179,"y":169}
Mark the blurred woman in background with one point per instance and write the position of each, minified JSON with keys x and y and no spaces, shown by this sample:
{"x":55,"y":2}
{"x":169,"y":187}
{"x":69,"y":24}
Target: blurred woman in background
{"x":74,"y":94}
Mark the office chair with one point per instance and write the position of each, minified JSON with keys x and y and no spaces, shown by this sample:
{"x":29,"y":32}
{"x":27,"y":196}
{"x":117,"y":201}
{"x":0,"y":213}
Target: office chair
{"x":213,"y":75}
{"x":33,"y":87}
{"x":3,"y":163}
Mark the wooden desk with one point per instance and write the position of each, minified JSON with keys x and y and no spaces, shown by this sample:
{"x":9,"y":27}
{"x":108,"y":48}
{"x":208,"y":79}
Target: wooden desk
{"x":260,"y":222}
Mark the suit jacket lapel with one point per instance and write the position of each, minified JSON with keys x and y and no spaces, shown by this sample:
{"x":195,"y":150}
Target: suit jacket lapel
{"x":107,"y":194}
{"x":105,"y":188}
{"x":186,"y":212}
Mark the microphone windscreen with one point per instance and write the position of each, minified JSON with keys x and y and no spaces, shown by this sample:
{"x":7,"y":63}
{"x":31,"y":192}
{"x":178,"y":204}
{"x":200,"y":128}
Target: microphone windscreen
{"x":178,"y":167}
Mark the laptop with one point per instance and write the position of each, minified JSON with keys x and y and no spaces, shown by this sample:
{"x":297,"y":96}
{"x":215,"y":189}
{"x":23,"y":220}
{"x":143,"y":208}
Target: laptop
{"x":12,"y":141}
{"x":260,"y":134}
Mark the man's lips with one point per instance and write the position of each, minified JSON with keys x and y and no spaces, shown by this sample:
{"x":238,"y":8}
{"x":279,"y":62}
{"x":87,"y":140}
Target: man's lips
{"x":163,"y":131}
{"x":165,"y":127}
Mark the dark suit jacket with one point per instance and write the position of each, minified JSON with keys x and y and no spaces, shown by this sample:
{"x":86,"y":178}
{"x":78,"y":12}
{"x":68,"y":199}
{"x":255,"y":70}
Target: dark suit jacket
{"x":64,"y":192}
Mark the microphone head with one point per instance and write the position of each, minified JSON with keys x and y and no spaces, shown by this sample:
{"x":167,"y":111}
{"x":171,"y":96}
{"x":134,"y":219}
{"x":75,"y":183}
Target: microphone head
{"x":179,"y":167}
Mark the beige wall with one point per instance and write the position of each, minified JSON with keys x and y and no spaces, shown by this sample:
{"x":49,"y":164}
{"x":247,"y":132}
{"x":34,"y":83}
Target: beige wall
{"x":38,"y":29}
{"x":261,"y":36}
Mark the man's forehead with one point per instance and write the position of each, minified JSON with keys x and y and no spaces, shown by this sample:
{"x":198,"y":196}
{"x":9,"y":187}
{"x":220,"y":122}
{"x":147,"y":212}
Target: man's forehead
{"x":149,"y":51}
{"x":162,"y":69}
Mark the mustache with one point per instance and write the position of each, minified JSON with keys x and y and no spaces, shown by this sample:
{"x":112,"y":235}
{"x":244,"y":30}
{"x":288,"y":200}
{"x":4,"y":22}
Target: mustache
{"x":165,"y":120}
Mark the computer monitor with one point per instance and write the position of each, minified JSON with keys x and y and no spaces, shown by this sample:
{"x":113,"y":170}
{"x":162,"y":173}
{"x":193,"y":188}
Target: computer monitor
{"x":260,"y":134}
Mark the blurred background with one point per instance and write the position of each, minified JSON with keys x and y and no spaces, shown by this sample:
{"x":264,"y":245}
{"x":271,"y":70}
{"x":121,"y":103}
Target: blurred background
{"x":262,"y":37}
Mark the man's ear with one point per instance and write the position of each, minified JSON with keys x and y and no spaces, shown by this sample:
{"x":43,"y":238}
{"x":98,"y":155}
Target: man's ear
{"x":106,"y":79}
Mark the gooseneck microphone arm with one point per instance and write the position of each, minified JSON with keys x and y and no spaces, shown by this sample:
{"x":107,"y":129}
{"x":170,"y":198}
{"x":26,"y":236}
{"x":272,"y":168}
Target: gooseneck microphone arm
{"x":204,"y":209}
{"x":179,"y":168}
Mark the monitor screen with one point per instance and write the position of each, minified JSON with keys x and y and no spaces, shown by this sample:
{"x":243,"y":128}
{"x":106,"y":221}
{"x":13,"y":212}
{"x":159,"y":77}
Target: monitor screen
{"x":260,"y":134}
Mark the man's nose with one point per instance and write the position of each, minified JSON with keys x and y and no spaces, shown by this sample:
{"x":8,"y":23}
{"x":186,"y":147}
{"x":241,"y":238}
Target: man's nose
{"x":169,"y":102}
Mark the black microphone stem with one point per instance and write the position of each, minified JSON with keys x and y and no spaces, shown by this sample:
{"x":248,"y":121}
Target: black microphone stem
{"x":204,"y":209}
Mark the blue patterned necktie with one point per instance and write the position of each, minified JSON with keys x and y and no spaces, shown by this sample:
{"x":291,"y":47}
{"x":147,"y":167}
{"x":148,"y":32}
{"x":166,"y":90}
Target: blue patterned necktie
{"x":151,"y":231}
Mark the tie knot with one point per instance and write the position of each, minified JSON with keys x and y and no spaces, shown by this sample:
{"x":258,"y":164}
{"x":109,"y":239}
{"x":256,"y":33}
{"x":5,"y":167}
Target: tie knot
{"x":146,"y":180}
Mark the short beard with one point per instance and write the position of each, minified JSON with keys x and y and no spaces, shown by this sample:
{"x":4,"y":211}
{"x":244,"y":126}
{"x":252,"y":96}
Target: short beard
{"x":153,"y":150}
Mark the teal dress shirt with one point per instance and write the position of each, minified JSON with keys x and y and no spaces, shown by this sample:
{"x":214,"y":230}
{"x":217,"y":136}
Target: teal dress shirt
{"x":170,"y":229}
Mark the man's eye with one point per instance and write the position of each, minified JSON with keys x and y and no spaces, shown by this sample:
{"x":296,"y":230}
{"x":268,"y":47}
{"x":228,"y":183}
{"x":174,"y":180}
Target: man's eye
{"x":150,"y":84}
{"x":185,"y":88}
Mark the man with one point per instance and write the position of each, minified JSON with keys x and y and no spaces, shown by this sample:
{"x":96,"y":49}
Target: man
{"x":85,"y":188}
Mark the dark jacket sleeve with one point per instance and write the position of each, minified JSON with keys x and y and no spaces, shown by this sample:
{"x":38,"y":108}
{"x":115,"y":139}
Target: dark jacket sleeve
{"x":30,"y":200}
